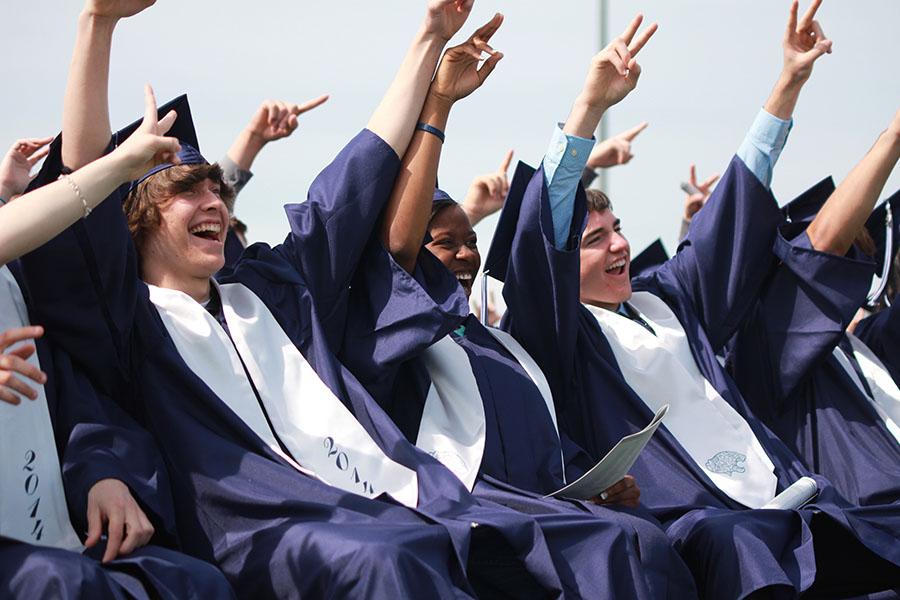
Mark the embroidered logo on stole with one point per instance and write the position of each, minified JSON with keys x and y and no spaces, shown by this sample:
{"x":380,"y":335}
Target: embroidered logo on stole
{"x":320,"y":433}
{"x":727,"y":463}
{"x":885,"y":397}
{"x":661,"y":369}
{"x":33,"y":505}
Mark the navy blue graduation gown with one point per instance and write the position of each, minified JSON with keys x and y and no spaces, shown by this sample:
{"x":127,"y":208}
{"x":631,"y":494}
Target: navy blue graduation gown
{"x":783,"y":364}
{"x":522,"y":460}
{"x":274,"y":532}
{"x":710,"y":284}
{"x":881,"y":333}
{"x":96,"y":440}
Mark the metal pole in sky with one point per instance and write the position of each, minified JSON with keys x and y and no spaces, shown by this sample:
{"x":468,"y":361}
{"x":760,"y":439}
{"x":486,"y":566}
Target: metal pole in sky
{"x":603,"y":129}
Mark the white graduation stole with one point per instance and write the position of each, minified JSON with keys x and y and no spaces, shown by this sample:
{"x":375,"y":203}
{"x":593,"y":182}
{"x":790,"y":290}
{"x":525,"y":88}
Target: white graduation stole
{"x":886,"y":400}
{"x":453,"y":425}
{"x":32,"y":500}
{"x":322,"y":435}
{"x":661,"y":369}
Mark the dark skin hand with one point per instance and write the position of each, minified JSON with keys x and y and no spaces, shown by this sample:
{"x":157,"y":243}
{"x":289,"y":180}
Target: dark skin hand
{"x":626,"y":492}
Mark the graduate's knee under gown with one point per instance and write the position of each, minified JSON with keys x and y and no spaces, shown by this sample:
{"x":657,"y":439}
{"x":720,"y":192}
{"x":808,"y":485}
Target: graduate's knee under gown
{"x":57,"y":447}
{"x":240,"y":499}
{"x":593,"y":360}
{"x":801,"y":374}
{"x":516,"y":454}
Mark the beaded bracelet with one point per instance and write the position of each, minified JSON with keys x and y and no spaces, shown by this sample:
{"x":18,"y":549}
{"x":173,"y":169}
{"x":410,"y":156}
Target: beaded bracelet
{"x":78,"y":192}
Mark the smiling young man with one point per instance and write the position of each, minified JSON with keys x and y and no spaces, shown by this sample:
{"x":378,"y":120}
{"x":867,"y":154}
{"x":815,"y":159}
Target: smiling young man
{"x":284,"y":471}
{"x":615,"y":350}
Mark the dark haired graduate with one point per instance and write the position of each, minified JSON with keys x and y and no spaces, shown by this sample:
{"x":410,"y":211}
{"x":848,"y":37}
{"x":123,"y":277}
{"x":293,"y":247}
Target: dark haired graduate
{"x":72,"y":460}
{"x":472,"y":397}
{"x":280,"y":475}
{"x":615,"y":350}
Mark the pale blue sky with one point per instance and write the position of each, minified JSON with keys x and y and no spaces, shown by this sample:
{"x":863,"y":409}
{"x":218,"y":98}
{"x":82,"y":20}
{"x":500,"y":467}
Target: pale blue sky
{"x":706,"y":73}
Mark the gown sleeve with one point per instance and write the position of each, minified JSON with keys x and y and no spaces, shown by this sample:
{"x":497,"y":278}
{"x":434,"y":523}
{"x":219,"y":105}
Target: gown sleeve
{"x":101,"y":441}
{"x":541,"y":284}
{"x":802,"y":313}
{"x":329,"y":232}
{"x":727,"y":254}
{"x":84,"y":284}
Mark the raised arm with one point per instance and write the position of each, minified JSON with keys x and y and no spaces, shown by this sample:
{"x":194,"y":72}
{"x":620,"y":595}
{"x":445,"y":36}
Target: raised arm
{"x":395,"y":117}
{"x":86,"y":104}
{"x":613,"y":74}
{"x":40,"y":215}
{"x":803,"y":44}
{"x":846,"y":211}
{"x":409,"y":208}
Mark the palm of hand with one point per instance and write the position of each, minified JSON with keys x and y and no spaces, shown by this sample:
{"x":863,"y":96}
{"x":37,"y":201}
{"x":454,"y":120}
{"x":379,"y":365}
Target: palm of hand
{"x":117,"y":8}
{"x":607,"y":85}
{"x":457,"y":75}
{"x":15,"y":172}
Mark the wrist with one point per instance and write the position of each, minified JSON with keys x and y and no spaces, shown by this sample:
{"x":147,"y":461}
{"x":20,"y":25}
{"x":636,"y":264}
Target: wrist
{"x":584,"y":118}
{"x":475,"y":215}
{"x":784,"y":96}
{"x":436,"y":110}
{"x":245,"y":149}
{"x":430,"y":38}
{"x":97,"y":22}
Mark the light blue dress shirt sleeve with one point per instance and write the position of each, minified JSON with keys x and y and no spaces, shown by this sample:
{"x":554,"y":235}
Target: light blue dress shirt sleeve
{"x":564,"y":162}
{"x":763,"y":145}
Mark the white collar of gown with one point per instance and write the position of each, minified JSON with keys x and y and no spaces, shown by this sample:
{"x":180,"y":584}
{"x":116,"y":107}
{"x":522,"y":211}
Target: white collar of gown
{"x":322,"y":436}
{"x":661,"y":370}
{"x":33,"y":505}
{"x":885,"y":396}
{"x":453,"y":424}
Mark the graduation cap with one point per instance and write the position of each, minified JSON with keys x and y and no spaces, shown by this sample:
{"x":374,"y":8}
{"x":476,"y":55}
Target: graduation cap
{"x":650,"y":257}
{"x":501,"y":245}
{"x":805,"y":207}
{"x":884,"y":227}
{"x":182,"y":129}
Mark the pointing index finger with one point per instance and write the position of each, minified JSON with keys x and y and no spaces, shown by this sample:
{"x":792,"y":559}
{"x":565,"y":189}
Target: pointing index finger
{"x":634,"y":131}
{"x":311,"y":104}
{"x":150,"y":114}
{"x":507,"y":160}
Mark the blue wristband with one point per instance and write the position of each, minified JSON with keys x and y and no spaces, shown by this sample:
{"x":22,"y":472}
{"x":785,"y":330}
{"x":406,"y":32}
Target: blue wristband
{"x":2,"y":202}
{"x":432,"y":130}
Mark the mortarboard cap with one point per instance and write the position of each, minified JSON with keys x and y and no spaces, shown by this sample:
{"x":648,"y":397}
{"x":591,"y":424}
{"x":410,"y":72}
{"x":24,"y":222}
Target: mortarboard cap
{"x":884,"y":227}
{"x":650,"y":257}
{"x":805,"y":207}
{"x":501,"y":244}
{"x":182,"y":129}
{"x":441,"y":196}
